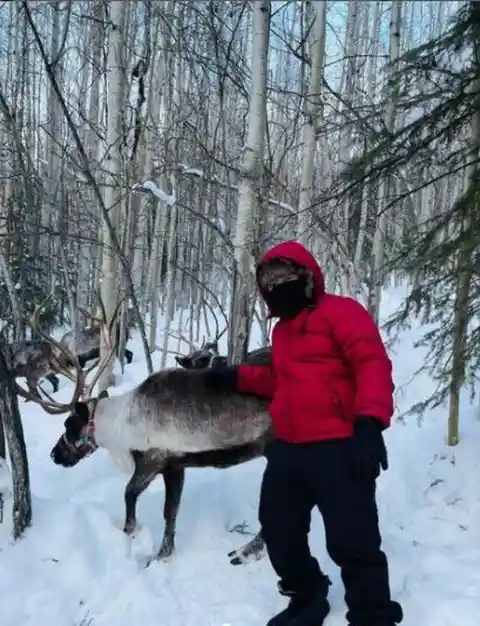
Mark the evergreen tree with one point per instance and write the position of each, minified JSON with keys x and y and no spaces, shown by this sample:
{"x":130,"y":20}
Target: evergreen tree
{"x":437,"y":148}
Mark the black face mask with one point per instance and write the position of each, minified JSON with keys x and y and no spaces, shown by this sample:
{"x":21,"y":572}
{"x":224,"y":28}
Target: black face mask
{"x":286,"y":300}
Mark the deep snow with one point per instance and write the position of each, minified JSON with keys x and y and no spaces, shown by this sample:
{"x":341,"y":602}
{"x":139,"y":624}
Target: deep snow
{"x":76,"y":566}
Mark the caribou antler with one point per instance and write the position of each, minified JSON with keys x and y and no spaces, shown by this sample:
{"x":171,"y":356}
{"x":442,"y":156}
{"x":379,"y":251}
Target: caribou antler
{"x":218,"y":334}
{"x":101,"y":321}
{"x":106,"y":328}
{"x":212,"y":345}
{"x":209,"y":346}
{"x":176,"y":334}
{"x":51,"y":405}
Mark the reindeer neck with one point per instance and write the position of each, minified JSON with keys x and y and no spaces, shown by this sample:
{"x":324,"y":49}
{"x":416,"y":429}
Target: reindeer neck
{"x":112,"y":428}
{"x":111,"y":419}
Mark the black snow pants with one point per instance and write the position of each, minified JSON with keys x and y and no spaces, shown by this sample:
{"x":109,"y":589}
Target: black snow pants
{"x":299,"y":477}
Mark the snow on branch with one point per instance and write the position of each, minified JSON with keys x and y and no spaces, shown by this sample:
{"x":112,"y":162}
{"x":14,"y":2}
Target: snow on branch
{"x":150,"y":186}
{"x":198,"y":173}
{"x":193,"y":171}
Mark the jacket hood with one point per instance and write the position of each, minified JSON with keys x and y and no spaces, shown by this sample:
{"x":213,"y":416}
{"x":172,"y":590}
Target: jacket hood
{"x":294,"y":251}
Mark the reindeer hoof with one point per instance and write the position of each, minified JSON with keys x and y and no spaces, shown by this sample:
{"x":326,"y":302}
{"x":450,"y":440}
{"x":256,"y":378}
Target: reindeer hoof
{"x":237,"y":557}
{"x":234,"y":558}
{"x":166,"y":550}
{"x":164,"y":554}
{"x":245,"y":556}
{"x":130,"y":528}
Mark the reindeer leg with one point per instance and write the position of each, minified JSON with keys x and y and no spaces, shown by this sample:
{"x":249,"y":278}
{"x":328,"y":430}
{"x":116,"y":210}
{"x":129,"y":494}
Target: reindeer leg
{"x":53,"y":381}
{"x":174,"y":479}
{"x":142,"y":476}
{"x":251,"y":551}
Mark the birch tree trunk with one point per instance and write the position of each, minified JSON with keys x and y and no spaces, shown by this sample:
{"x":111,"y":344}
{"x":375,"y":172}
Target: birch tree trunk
{"x":348,"y":88}
{"x":372,"y":97}
{"x":176,"y":68}
{"x":378,"y":271}
{"x":144,"y":153}
{"x":87,"y":253}
{"x":154,"y":267}
{"x":54,"y":123}
{"x":170,"y":280}
{"x":252,"y":171}
{"x":158,"y":104}
{"x":317,"y":47}
{"x":113,"y":166}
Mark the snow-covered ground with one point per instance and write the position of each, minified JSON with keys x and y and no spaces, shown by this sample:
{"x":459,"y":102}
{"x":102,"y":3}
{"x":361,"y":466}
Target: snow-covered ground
{"x":75,"y":566}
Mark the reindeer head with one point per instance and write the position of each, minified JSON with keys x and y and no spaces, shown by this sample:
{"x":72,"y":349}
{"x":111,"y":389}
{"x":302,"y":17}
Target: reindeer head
{"x":77,"y":441}
{"x":207,"y":356}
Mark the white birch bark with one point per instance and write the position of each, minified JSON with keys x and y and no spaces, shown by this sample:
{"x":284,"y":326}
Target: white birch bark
{"x":113,"y":166}
{"x":372,"y":97}
{"x":252,"y":169}
{"x":155,"y":97}
{"x":54,"y":116}
{"x":348,"y":86}
{"x":170,"y":281}
{"x":162,"y":99}
{"x":156,"y":256}
{"x":378,"y":260}
{"x":93,"y":146}
{"x":317,"y":48}
{"x":176,"y":68}
{"x":54,"y":125}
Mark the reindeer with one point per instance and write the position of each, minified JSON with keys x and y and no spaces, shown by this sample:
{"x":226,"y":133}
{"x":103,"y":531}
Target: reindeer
{"x":167,"y":423}
{"x":36,"y":359}
{"x":33,"y":360}
{"x":87,"y":345}
{"x":206,"y":357}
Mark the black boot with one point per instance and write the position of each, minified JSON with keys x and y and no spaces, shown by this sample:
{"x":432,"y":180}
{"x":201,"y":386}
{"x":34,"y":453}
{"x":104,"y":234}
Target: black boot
{"x":308,"y":608}
{"x":389,"y":616}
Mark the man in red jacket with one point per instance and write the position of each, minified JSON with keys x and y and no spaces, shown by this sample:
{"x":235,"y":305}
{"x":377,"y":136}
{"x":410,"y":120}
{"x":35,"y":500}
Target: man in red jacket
{"x":331,"y":391}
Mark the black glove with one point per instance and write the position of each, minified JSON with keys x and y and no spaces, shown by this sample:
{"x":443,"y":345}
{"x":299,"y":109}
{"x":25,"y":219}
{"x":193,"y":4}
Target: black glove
{"x":369,"y":451}
{"x":221,"y":379}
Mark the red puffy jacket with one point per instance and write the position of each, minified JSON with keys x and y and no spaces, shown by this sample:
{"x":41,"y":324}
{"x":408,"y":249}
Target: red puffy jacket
{"x":329,"y":365}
